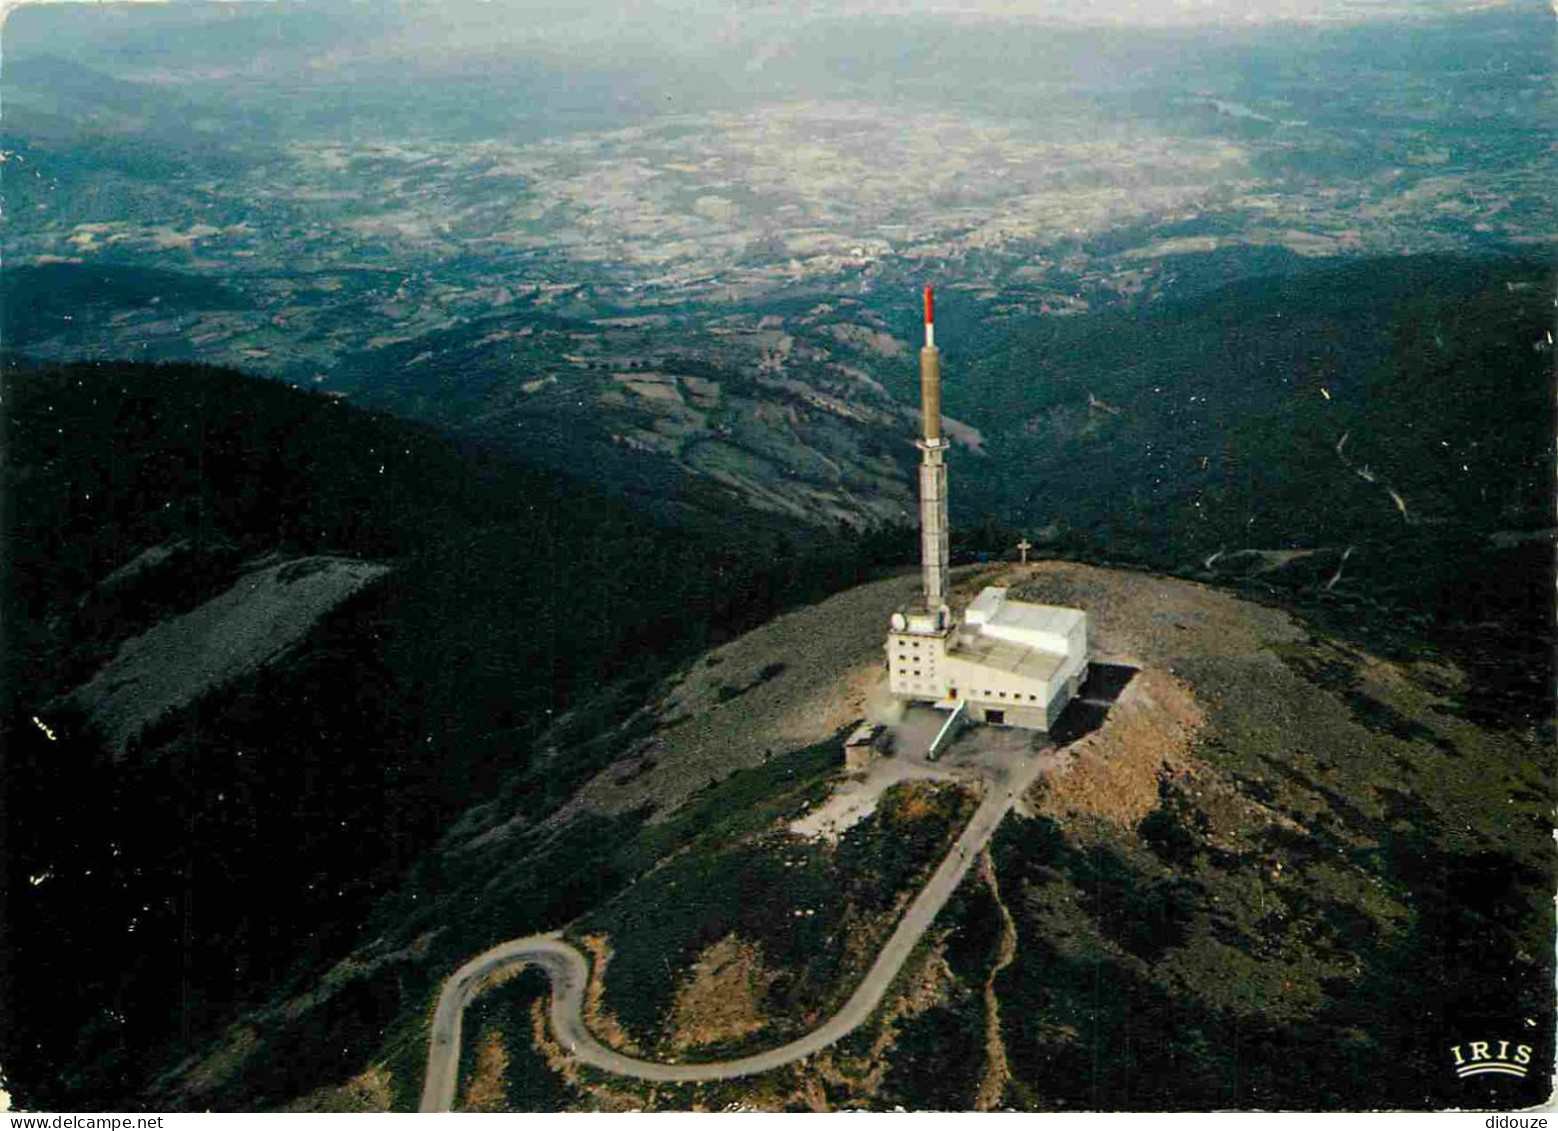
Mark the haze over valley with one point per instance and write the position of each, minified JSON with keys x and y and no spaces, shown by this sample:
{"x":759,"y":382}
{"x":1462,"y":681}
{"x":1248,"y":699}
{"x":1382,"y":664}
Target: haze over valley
{"x":349,"y":200}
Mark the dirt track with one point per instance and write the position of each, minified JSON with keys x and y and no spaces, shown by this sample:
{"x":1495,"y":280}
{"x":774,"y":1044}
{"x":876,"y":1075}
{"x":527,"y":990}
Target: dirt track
{"x":569,"y":974}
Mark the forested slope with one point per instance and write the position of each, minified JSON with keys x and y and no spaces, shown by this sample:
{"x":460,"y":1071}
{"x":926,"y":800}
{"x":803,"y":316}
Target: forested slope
{"x":238,"y":844}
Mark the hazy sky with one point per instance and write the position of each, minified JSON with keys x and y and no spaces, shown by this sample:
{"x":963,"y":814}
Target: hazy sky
{"x":494,"y":22}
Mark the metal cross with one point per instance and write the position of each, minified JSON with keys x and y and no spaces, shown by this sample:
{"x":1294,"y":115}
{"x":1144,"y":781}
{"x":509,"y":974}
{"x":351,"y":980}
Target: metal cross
{"x":1024,"y":546}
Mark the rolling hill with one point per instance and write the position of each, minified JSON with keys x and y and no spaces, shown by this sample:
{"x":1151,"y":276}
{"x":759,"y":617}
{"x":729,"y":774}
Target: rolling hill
{"x":218,"y":758}
{"x":468,"y":681}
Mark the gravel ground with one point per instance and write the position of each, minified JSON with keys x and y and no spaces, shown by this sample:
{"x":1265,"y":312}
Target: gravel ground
{"x":833,"y":663}
{"x":832,"y":653}
{"x":253,"y":623}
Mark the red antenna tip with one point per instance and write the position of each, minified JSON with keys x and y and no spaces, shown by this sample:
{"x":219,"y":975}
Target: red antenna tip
{"x":930,"y":305}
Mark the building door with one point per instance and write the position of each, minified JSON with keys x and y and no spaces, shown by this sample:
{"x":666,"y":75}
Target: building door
{"x":995,"y":718}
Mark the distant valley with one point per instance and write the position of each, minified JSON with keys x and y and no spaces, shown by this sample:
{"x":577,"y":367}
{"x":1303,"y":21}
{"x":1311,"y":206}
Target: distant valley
{"x":717,"y":285}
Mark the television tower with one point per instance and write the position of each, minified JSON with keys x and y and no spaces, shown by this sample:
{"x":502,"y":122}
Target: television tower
{"x":934,"y":556}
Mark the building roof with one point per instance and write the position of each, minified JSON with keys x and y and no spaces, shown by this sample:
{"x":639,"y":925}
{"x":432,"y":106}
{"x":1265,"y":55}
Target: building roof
{"x":1046,"y":627}
{"x":1014,"y":659}
{"x":865,"y":734}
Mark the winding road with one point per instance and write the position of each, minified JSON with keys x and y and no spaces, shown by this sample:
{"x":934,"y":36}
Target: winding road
{"x":568,"y":972}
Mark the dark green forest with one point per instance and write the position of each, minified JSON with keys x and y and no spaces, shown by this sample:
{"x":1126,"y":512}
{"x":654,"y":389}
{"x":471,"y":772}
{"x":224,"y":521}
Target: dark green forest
{"x":237,"y":849}
{"x":1393,"y":418}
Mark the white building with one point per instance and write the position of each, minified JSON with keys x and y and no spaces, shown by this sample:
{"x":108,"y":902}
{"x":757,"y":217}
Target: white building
{"x":1014,"y":663}
{"x":1008,"y":663}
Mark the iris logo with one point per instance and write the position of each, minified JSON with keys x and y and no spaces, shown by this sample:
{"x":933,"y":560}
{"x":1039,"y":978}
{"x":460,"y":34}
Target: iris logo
{"x":1478,"y":1058}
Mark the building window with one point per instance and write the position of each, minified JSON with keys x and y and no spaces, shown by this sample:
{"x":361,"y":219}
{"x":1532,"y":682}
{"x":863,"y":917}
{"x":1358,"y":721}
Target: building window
{"x":996,"y":718}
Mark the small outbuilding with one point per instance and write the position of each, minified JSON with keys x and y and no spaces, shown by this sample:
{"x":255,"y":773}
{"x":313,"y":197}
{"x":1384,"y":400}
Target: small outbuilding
{"x":869,"y":741}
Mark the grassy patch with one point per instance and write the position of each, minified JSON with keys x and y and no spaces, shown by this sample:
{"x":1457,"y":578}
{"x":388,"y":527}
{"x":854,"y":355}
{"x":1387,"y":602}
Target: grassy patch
{"x":938,"y":1057}
{"x":529,"y":1083}
{"x":1351,"y":879}
{"x":815,"y":912}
